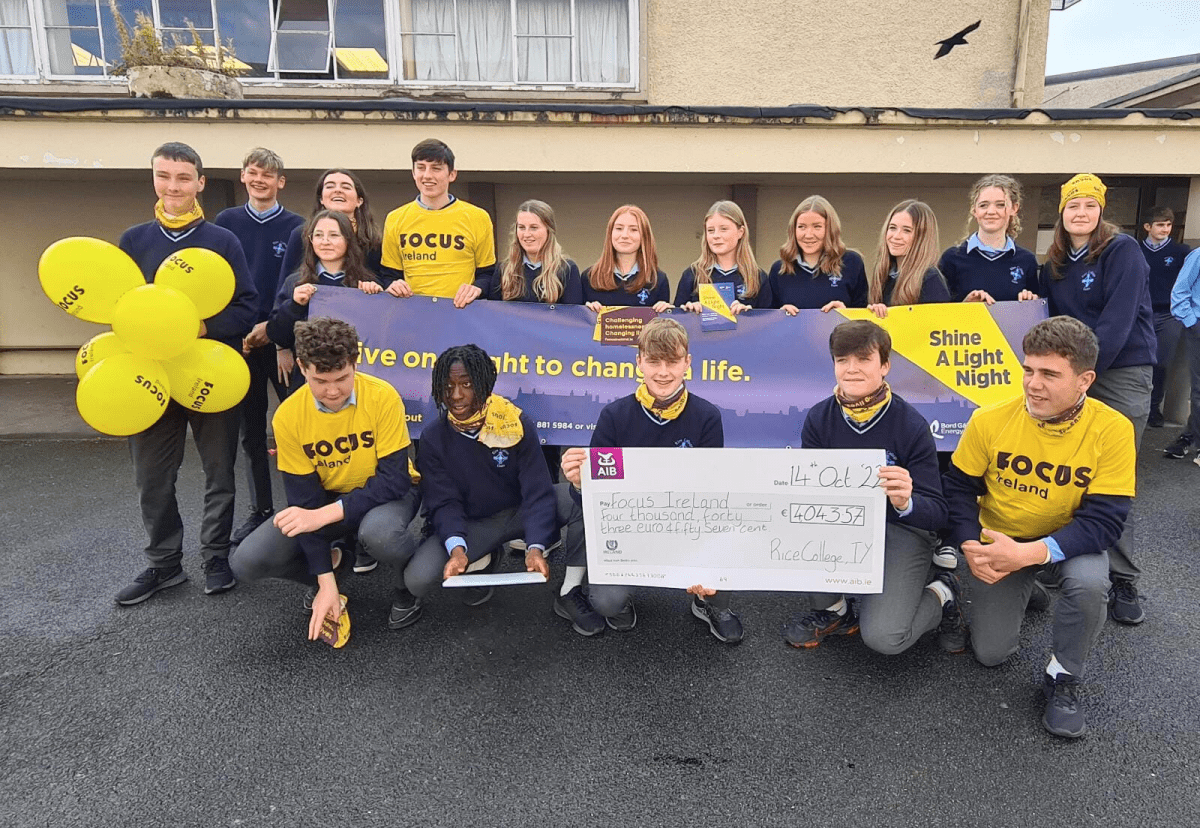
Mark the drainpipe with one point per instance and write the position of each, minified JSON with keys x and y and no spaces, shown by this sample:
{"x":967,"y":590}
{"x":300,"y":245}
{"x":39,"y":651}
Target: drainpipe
{"x":1023,"y":23}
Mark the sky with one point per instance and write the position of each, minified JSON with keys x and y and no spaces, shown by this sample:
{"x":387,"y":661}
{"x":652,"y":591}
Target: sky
{"x":1096,"y":33}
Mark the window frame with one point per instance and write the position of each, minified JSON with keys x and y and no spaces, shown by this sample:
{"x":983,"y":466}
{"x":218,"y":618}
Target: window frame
{"x":34,"y":28}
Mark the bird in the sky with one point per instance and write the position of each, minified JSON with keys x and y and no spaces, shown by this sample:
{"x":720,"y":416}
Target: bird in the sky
{"x":959,"y":39}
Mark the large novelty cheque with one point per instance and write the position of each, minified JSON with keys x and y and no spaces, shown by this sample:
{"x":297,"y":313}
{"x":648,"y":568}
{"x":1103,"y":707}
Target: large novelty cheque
{"x":947,"y":360}
{"x":804,"y":520}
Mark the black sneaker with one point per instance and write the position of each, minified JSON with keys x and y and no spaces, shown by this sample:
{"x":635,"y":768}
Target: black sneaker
{"x":1039,"y":599}
{"x":722,"y":622}
{"x":575,"y":607}
{"x":1049,"y":576}
{"x":1156,"y":419}
{"x":406,"y":609}
{"x":255,"y":520}
{"x":1124,"y":603}
{"x":363,"y":563}
{"x":477,"y":596}
{"x":952,"y":632}
{"x":1064,"y":715}
{"x":809,"y":629}
{"x":150,"y":582}
{"x":310,"y":595}
{"x":625,"y":620}
{"x":339,"y":554}
{"x":217,"y":576}
{"x":946,"y":557}
{"x":1180,"y":448}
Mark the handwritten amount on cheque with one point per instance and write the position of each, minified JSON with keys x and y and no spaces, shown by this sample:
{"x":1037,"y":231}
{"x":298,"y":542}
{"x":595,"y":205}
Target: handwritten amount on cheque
{"x":694,"y":514}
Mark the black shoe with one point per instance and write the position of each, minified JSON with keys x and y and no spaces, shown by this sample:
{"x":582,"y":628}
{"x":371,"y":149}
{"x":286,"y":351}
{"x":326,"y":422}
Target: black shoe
{"x":1064,"y":714}
{"x":1039,"y":599}
{"x":310,"y":595}
{"x":1180,"y":448}
{"x":809,"y":629}
{"x":1156,"y":419}
{"x":1049,"y":576}
{"x":952,"y":632}
{"x":255,"y":520}
{"x":477,"y":596}
{"x":340,"y":551}
{"x":722,"y":622}
{"x":575,"y":607}
{"x":150,"y":582}
{"x":406,"y":609}
{"x":625,"y":620}
{"x":363,"y":563}
{"x":946,"y":557}
{"x":1124,"y":603}
{"x":217,"y":577}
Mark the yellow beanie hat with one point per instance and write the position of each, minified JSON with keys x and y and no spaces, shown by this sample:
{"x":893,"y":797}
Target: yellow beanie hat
{"x":1084,"y":185}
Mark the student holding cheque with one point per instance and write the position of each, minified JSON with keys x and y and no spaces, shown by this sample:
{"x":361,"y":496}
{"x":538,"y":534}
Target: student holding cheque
{"x":343,"y":454}
{"x":662,"y":413}
{"x":863,"y":413}
{"x":1045,"y":478}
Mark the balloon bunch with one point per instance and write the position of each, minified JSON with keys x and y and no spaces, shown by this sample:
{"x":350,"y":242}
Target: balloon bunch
{"x":153,"y":353}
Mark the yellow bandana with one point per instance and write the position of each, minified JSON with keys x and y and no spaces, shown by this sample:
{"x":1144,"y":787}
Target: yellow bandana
{"x":1084,"y":185}
{"x":177,"y":222}
{"x":862,"y":410}
{"x":666,"y":411}
{"x":499,"y":423}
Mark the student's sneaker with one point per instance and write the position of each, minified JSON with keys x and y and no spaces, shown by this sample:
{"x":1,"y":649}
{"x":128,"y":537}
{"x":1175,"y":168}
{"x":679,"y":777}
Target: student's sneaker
{"x":1064,"y":714}
{"x":1124,"y":603}
{"x":1039,"y":598}
{"x":809,"y":628}
{"x":1156,"y":419}
{"x":149,"y":582}
{"x":310,"y":595}
{"x":575,"y":607}
{"x":952,"y":632}
{"x":217,"y":576}
{"x":722,"y":622}
{"x":340,"y":552}
{"x":1049,"y":576}
{"x":1180,"y":448}
{"x":946,"y":557}
{"x":625,"y":620}
{"x":477,"y":596}
{"x":406,"y":609}
{"x":255,"y":520}
{"x":363,"y":563}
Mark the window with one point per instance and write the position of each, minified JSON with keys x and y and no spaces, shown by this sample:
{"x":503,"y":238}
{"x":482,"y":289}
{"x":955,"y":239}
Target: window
{"x":16,"y":39}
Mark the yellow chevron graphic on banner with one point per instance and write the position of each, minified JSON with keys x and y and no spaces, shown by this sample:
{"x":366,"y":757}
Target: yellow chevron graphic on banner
{"x":711,"y":299}
{"x":961,"y":346}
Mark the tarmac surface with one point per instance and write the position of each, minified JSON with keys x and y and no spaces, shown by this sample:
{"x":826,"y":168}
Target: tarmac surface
{"x":214,"y":711}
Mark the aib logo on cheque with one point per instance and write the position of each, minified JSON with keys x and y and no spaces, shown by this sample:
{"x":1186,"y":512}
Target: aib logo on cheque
{"x":607,"y":464}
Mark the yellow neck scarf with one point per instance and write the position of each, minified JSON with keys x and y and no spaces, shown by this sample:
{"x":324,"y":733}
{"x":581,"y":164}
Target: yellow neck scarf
{"x":499,"y":423}
{"x":862,"y":410}
{"x":668,"y":410}
{"x":177,"y":222}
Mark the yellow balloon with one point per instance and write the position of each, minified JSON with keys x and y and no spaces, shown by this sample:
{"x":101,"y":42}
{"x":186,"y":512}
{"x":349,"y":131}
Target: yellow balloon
{"x":100,"y":346}
{"x":201,"y":275}
{"x":208,"y":376}
{"x":156,"y":321}
{"x":123,"y":394}
{"x":85,"y":277}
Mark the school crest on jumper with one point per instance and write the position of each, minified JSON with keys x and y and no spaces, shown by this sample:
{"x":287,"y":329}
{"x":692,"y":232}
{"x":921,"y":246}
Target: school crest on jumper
{"x":1088,"y":279}
{"x":279,"y":248}
{"x":834,"y":279}
{"x":499,"y":457}
{"x":1168,"y":260}
{"x":1017,"y":274}
{"x":643,"y":296}
{"x":683,"y":443}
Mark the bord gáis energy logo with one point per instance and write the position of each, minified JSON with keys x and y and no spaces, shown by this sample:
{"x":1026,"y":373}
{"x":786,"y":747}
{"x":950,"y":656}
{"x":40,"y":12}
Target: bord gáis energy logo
{"x":941,"y":430}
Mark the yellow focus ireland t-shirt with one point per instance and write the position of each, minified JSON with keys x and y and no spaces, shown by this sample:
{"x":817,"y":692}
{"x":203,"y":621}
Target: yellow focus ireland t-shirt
{"x":343,"y":448}
{"x":1037,"y":475}
{"x":438,"y":250}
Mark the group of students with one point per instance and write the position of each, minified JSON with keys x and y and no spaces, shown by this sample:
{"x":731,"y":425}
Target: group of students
{"x":344,"y":449}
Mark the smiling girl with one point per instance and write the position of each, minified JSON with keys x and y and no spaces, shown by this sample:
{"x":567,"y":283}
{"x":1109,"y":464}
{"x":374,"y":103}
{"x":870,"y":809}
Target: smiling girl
{"x":536,"y":269}
{"x":815,"y":269}
{"x":627,"y":271}
{"x":904,"y":272}
{"x":989,"y":266}
{"x":725,"y":256}
{"x":341,"y":191}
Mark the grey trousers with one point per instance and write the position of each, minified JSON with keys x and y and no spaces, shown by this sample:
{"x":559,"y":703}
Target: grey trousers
{"x":157,"y":454}
{"x":383,"y":534}
{"x":1127,"y":390}
{"x":997,"y":610}
{"x":423,"y":569}
{"x":253,"y":410}
{"x":1191,"y":338}
{"x":1167,"y":330}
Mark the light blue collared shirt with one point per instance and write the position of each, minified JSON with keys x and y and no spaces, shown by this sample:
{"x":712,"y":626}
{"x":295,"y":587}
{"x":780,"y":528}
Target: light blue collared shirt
{"x":324,"y":409}
{"x":1056,"y":553}
{"x":425,"y":206}
{"x":974,"y":243}
{"x":625,"y":277}
{"x":264,"y":214}
{"x":531,"y":265}
{"x":337,"y":277}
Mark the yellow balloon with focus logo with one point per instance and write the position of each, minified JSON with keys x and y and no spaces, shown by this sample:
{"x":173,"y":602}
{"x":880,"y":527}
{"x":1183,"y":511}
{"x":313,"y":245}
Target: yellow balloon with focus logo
{"x":99,"y":347}
{"x":201,"y":275}
{"x":156,"y":321}
{"x":86,"y":277}
{"x":123,"y":394}
{"x":209,"y":376}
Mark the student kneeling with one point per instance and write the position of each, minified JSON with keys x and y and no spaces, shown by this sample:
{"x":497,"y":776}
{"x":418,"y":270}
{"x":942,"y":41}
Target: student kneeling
{"x":343,"y":452}
{"x":663,"y":414}
{"x":863,"y":413}
{"x":1045,"y":478}
{"x":484,"y":481}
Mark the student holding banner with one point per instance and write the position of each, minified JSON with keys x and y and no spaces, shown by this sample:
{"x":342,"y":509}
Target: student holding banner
{"x":864,"y":413}
{"x":905,"y":264}
{"x":627,"y":271}
{"x":815,"y":269}
{"x":989,"y":266}
{"x":535,"y":269}
{"x":725,"y":256}
{"x":483,"y":482}
{"x":343,"y":454}
{"x":1098,"y":275}
{"x":662,"y":413}
{"x":1047,"y":477}
{"x":437,"y":244}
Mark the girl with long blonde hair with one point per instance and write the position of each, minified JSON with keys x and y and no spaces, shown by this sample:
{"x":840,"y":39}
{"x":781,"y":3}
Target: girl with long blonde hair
{"x":905,"y":271}
{"x":627,"y":271}
{"x":989,"y":266}
{"x":725,"y":256}
{"x":535,"y":269}
{"x":815,"y":268}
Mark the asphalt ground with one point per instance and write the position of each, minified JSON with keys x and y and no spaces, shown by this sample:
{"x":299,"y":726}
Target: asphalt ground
{"x":214,"y":710}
